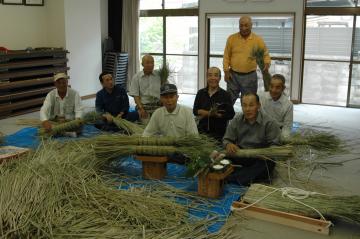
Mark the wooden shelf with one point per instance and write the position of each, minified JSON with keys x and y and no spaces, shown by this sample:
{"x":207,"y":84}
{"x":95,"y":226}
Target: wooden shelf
{"x":26,"y":83}
{"x":26,"y":77}
{"x":32,"y":63}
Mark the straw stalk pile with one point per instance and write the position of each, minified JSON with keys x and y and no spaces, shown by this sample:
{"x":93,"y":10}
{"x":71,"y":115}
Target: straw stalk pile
{"x":56,"y":192}
{"x":306,"y":203}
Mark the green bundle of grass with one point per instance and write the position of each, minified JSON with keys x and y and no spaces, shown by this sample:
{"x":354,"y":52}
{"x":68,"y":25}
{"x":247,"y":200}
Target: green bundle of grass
{"x":322,"y":141}
{"x":57,"y":193}
{"x":258,"y":55}
{"x":61,"y":128}
{"x":306,"y":203}
{"x":196,"y":147}
{"x":129,"y":127}
{"x":273,"y":152}
{"x":164,"y":72}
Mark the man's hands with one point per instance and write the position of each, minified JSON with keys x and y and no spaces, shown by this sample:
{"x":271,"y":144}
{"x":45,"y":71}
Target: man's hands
{"x":46,"y":125}
{"x":209,"y":113}
{"x":266,"y":67}
{"x":108,"y":117}
{"x":231,"y":149}
{"x":227,"y":76}
{"x":142,"y":113}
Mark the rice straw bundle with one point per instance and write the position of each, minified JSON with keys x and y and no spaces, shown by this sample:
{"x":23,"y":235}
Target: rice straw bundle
{"x":303,"y":202}
{"x":91,"y":117}
{"x":130,"y":127}
{"x":29,"y":122}
{"x":322,"y":141}
{"x":56,"y":192}
{"x":62,"y":128}
{"x":278,"y":152}
{"x":258,"y":55}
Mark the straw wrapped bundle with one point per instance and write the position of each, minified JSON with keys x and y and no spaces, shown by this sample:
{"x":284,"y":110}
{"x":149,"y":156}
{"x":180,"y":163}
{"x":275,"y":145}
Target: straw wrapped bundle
{"x":56,"y":192}
{"x":322,"y":141}
{"x":304,"y":202}
{"x":258,"y":55}
{"x":129,"y":127}
{"x":29,"y":122}
{"x":278,"y":152}
{"x":61,"y":128}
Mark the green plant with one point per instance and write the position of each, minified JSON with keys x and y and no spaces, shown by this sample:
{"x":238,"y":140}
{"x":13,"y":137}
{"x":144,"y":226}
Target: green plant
{"x":258,"y":55}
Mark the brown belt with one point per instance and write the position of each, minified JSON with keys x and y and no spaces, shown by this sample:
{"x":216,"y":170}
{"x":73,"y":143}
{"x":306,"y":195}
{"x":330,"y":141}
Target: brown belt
{"x":242,"y":73}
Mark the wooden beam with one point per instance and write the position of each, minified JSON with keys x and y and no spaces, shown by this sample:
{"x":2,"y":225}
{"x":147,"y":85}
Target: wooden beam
{"x":283,"y":218}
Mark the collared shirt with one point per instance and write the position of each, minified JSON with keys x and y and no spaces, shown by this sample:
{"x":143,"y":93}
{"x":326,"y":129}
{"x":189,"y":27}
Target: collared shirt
{"x":115,"y":102}
{"x":281,"y":111}
{"x":221,"y":99}
{"x":178,"y":123}
{"x":146,"y":86}
{"x":68,"y":107}
{"x":264,"y":132}
{"x":238,"y":52}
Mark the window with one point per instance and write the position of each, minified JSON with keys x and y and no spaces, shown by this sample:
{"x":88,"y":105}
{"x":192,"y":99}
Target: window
{"x":171,"y":36}
{"x":277,"y":32}
{"x":331,"y":3}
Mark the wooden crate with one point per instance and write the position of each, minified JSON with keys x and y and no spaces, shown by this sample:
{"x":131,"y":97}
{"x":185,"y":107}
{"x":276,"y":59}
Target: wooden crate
{"x":283,"y":218}
{"x":212,"y":184}
{"x":153,"y":167}
{"x":11,"y":152}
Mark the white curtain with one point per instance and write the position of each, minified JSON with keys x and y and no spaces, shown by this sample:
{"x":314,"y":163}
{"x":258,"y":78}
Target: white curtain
{"x":130,"y":35}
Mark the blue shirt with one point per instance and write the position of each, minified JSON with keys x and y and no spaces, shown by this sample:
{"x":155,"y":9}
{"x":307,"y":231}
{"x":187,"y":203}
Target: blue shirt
{"x":114,"y":103}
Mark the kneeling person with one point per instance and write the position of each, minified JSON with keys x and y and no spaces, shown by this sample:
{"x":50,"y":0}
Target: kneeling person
{"x":247,"y":130}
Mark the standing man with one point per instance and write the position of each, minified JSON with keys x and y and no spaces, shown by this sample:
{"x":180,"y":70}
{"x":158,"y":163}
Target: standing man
{"x":239,"y":63}
{"x":111,"y":101}
{"x":247,"y":130}
{"x":277,"y":105}
{"x":61,"y":104}
{"x":145,"y":88}
{"x":213,"y":106}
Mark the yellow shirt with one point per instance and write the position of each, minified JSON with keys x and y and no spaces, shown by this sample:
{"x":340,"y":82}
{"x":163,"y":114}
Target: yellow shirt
{"x":238,"y":52}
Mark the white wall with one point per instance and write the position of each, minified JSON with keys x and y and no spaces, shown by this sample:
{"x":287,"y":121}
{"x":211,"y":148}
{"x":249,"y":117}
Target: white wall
{"x":83,"y":41}
{"x":248,"y":7}
{"x":104,"y":19}
{"x":23,"y":26}
{"x":55,"y":23}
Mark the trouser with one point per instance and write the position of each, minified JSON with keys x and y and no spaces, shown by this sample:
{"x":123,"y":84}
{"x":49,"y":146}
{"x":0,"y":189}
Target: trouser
{"x":252,"y":170}
{"x":241,"y":83}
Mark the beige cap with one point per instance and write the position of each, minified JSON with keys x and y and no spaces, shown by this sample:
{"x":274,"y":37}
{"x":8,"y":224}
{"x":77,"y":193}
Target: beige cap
{"x":60,"y":76}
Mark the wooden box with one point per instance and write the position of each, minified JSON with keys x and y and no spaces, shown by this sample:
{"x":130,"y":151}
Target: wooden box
{"x":212,"y":184}
{"x":153,"y":167}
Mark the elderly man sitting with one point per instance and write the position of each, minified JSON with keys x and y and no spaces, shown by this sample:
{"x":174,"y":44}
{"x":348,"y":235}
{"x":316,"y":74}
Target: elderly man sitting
{"x":145,"y":88}
{"x":277,"y":105}
{"x":213,"y":106}
{"x":61,"y":104}
{"x":250,"y":129}
{"x":171,"y":120}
